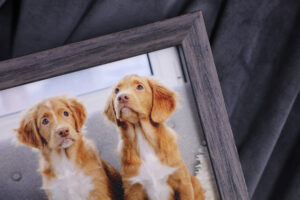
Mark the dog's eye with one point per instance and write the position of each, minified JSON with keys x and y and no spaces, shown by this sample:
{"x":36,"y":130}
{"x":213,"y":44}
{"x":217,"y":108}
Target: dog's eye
{"x":117,"y":90}
{"x":45,"y":121}
{"x":139,"y":87}
{"x":66,"y":114}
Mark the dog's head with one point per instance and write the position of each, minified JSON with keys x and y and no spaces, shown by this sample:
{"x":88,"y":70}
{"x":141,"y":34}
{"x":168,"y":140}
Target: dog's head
{"x":55,"y":122}
{"x":136,"y":97}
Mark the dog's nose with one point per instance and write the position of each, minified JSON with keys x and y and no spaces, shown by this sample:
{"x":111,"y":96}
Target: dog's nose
{"x":63,"y":132}
{"x":123,"y":98}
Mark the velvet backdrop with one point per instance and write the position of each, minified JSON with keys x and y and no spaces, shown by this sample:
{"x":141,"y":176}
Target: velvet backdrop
{"x":256,"y":47}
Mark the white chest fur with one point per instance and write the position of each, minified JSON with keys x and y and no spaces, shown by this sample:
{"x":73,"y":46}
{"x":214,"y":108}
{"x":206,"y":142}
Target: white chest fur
{"x":71,"y":183}
{"x":152,"y":174}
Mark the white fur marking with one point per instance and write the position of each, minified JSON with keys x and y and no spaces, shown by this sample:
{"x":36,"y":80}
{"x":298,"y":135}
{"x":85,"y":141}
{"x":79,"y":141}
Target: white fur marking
{"x":67,"y":143}
{"x":51,"y":110}
{"x":116,"y":102}
{"x":152,"y":174}
{"x":71,"y":183}
{"x":48,"y":103}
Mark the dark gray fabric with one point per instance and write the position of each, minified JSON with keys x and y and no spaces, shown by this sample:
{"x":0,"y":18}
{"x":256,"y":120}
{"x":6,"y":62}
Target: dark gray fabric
{"x":256,"y":50}
{"x":6,"y":26}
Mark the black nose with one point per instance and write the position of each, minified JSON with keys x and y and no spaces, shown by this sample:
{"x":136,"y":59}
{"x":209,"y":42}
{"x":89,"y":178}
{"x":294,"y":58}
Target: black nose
{"x":63,"y":132}
{"x":123,"y":98}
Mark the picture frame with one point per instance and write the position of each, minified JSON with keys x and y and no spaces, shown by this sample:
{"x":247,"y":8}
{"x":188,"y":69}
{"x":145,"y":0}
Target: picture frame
{"x":188,"y":33}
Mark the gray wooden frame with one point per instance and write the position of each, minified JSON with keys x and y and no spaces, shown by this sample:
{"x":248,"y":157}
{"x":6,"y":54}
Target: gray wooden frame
{"x":188,"y":32}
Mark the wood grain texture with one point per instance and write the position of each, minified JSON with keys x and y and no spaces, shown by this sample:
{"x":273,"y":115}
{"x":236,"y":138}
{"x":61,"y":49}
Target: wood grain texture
{"x":187,"y":31}
{"x":207,"y":90}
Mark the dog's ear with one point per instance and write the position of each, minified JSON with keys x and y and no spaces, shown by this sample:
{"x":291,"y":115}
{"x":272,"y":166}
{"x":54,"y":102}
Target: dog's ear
{"x":78,"y":112}
{"x":163,"y":101}
{"x":109,"y":111}
{"x":28,"y":131}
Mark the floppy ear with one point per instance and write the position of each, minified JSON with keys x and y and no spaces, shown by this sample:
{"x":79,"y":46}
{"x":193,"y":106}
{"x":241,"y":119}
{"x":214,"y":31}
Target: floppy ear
{"x":109,"y":111}
{"x":28,"y":131}
{"x":163,"y":101}
{"x":78,"y":112}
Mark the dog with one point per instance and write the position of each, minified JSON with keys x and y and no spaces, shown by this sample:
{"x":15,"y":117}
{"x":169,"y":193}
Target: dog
{"x":70,"y":166}
{"x":151,"y":164}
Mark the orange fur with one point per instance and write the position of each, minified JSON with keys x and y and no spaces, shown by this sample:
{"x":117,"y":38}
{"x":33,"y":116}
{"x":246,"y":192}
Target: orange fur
{"x":131,"y":107}
{"x":35,"y":132}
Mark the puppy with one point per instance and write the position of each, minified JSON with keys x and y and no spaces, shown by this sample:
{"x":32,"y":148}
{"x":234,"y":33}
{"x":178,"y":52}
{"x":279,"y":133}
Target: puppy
{"x":70,"y":166}
{"x":152,"y":167}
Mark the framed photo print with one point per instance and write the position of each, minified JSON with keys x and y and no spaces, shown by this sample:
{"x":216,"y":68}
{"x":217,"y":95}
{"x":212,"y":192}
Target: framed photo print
{"x":169,"y":59}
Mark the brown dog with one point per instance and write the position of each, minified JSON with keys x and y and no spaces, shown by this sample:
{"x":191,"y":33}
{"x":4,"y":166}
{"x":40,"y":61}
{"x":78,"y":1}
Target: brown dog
{"x":152,"y":167}
{"x":70,"y":166}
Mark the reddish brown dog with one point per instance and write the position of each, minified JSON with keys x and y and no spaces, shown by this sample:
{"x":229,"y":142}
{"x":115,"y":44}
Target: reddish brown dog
{"x":69,"y":163}
{"x":152,"y":166}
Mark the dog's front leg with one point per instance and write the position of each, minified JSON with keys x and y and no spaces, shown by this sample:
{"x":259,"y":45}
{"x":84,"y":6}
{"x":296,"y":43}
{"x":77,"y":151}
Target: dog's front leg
{"x":99,"y":195}
{"x":185,"y":191}
{"x":134,"y":192}
{"x":182,"y":185}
